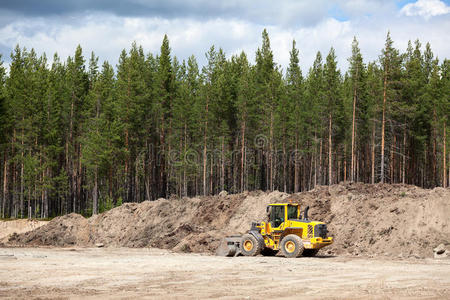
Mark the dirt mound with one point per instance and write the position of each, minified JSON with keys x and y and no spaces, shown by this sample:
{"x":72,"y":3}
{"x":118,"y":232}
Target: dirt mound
{"x":187,"y":224}
{"x":18,"y":226}
{"x":382,"y":219}
{"x":388,"y":220}
{"x":71,"y":229}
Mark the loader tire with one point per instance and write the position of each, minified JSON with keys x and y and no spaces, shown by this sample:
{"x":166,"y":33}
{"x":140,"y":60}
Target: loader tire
{"x":292,"y":246}
{"x":310,"y":252}
{"x":250,"y":245}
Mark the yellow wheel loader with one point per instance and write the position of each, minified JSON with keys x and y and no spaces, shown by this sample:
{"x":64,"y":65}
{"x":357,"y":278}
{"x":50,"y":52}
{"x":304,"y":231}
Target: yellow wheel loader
{"x":285,"y":230}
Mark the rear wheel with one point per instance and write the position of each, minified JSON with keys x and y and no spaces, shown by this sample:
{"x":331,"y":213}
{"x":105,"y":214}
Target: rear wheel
{"x":250,"y":246}
{"x":310,"y":252}
{"x":292,"y":246}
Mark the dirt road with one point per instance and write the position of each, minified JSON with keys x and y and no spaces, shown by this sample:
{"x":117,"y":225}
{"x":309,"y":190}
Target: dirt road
{"x":153,"y":273}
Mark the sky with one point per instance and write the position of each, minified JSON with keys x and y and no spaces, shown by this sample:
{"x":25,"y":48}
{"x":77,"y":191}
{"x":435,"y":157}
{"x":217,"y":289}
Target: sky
{"x":193,"y":26}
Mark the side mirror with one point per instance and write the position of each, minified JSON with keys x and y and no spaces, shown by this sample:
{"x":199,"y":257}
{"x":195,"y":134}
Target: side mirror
{"x":268,"y":210}
{"x":305,"y":214}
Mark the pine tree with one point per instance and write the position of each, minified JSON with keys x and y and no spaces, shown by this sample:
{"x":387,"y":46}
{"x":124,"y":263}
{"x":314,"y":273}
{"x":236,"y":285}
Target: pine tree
{"x":444,"y":112}
{"x":356,"y":71}
{"x":267,"y":94}
{"x":92,"y":143}
{"x":295,"y":113}
{"x":390,"y":61}
{"x":332,"y":81}
{"x":77,"y":87}
{"x":3,"y":138}
{"x":374,"y":92}
{"x":185,"y":121}
{"x":164,"y":93}
{"x":316,"y":101}
{"x":55,"y":113}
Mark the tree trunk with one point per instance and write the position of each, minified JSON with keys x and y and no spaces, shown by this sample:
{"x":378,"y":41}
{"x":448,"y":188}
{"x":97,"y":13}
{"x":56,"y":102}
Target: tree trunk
{"x":79,"y":177}
{"x":345,"y":163}
{"x":330,"y":148}
{"x":296,"y":164}
{"x":222,"y":166}
{"x":137,"y":191}
{"x":392,"y":162}
{"x":271,"y":152}
{"x":205,"y":147}
{"x":21,"y":172}
{"x":352,"y":172}
{"x":69,"y":158}
{"x":382,"y":127}
{"x":184,"y":160}
{"x":404,"y":157}
{"x":95,"y":193}
{"x":373,"y":153}
{"x":211,"y":191}
{"x":169,"y":165}
{"x":14,"y":180}
{"x":315,"y":165}
{"x":284,"y":164}
{"x":5,"y":184}
{"x":148,"y":177}
{"x":311,"y":159}
{"x":444,"y":165}
{"x":434,"y":180}
{"x":242,"y":154}
{"x":46,"y":196}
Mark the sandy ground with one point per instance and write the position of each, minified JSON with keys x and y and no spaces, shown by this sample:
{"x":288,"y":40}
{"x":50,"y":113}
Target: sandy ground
{"x":153,"y":273}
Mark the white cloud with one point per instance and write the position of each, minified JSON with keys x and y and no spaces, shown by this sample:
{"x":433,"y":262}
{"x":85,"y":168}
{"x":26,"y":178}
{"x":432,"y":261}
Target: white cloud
{"x":107,"y":34}
{"x":425,"y":9}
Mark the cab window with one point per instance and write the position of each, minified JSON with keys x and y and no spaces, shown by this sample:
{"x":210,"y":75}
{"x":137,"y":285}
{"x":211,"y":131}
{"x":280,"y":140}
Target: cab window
{"x":277,"y":215}
{"x":292,"y":212}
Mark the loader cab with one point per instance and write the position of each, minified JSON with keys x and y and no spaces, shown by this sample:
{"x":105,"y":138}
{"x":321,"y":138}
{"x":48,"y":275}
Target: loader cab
{"x":276,"y":215}
{"x":279,"y":213}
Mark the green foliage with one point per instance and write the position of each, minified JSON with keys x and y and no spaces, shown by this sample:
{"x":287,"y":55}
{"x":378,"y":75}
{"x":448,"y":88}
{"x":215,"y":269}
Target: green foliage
{"x":78,"y":132}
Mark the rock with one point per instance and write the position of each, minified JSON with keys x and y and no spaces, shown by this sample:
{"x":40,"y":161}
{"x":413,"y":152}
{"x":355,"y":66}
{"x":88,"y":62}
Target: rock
{"x":445,"y":254}
{"x":99,"y":245}
{"x":439,"y":249}
{"x":441,"y":252}
{"x":223,"y":194}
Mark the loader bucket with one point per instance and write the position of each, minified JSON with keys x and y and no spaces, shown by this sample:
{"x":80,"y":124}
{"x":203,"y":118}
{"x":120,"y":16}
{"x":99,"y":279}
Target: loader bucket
{"x":229,"y":246}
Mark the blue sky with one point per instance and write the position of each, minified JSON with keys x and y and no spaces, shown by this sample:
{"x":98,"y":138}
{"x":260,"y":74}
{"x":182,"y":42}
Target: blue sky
{"x":108,"y":26}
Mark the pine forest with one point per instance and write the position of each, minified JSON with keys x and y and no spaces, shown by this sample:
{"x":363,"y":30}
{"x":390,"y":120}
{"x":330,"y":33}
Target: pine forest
{"x":79,"y":135}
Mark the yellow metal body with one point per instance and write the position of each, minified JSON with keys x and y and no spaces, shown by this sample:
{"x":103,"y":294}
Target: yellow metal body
{"x":290,"y":224}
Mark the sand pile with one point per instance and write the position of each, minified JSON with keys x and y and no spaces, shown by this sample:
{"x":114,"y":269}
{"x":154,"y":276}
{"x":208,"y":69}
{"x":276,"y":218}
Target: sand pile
{"x":17,"y":226}
{"x":382,"y":219}
{"x":388,"y":220}
{"x":187,"y":224}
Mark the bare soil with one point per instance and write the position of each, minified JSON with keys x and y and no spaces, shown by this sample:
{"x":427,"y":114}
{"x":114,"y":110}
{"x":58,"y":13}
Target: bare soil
{"x":10,"y":227}
{"x":396,"y":221}
{"x":111,"y":273}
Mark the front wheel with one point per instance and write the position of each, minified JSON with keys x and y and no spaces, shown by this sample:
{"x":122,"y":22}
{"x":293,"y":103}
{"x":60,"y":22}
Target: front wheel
{"x":292,"y":246}
{"x":250,"y":246}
